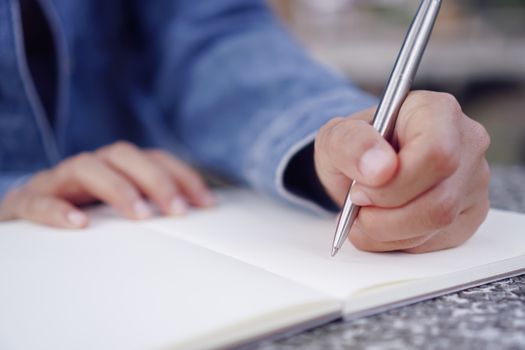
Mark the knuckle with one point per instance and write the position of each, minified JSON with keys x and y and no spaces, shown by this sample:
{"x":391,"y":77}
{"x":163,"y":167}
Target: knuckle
{"x":420,"y":99}
{"x":121,"y":147}
{"x":428,"y":99}
{"x":443,"y":211}
{"x":421,"y":96}
{"x":481,"y":135}
{"x":78,"y":163}
{"x":325,"y":129}
{"x":443,"y":157}
{"x":324,"y":137}
{"x":449,"y":101}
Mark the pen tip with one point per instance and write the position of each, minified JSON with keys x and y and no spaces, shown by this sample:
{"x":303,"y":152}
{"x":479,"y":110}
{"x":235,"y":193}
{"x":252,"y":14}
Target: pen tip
{"x":334,"y":251}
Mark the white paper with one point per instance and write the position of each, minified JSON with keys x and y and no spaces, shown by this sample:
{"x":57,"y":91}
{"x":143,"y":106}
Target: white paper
{"x":296,"y":245}
{"x":121,"y":286}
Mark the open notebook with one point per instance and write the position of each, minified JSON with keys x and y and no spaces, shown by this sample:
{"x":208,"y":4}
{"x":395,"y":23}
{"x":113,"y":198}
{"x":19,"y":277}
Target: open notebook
{"x":248,"y":269}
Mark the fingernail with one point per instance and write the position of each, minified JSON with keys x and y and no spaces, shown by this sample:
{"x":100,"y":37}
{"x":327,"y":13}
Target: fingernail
{"x":208,"y":199}
{"x":142,"y":210}
{"x":374,"y":161}
{"x":76,"y":218}
{"x":360,"y":198}
{"x":179,"y":206}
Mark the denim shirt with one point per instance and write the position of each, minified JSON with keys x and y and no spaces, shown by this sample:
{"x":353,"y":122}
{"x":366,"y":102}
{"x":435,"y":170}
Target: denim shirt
{"x":219,"y":83}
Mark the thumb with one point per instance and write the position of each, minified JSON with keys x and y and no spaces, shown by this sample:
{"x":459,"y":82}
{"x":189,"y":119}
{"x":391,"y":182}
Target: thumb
{"x":349,"y":149}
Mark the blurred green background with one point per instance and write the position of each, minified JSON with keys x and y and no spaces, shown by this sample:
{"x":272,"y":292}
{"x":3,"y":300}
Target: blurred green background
{"x":477,"y":52}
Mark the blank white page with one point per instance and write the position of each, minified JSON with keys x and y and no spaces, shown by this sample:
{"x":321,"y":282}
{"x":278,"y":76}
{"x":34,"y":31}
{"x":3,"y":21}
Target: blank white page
{"x":121,"y":286}
{"x":297,"y":245}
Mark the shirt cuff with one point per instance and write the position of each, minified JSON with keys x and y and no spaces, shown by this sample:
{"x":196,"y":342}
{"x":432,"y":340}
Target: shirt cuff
{"x":300,"y":178}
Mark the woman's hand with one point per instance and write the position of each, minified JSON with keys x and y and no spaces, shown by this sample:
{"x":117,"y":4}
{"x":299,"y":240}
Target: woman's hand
{"x":120,"y":175}
{"x":431,"y":194}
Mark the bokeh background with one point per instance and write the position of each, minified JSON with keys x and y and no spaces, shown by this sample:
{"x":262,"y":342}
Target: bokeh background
{"x":477,"y":52}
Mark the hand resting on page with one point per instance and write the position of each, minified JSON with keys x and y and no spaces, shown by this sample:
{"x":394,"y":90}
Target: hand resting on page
{"x":120,"y":175}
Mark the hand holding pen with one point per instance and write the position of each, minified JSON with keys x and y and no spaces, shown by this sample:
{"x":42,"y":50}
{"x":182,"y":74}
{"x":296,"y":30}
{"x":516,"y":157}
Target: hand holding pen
{"x":428,"y":193}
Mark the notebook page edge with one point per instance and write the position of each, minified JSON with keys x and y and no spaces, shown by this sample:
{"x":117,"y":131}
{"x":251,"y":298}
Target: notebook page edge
{"x":280,"y":324}
{"x":401,"y":294}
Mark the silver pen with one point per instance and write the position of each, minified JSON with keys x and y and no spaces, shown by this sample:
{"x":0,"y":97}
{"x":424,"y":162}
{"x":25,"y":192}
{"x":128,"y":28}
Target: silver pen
{"x":396,"y":91}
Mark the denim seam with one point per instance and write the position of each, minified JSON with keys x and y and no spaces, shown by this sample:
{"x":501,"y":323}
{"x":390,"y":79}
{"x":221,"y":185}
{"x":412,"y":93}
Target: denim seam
{"x":27,"y":81}
{"x":64,"y":66}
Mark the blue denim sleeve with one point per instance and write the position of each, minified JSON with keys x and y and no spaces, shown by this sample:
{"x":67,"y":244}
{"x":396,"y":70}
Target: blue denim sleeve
{"x":241,"y":96}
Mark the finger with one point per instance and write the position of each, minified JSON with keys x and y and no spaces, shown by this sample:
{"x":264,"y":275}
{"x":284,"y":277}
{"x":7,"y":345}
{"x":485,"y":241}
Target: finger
{"x":354,"y":149}
{"x":98,"y":179}
{"x":364,"y":242}
{"x":430,"y":150}
{"x":426,"y":215}
{"x":463,"y":229}
{"x":151,"y":179}
{"x":190,"y":182}
{"x":50,"y":211}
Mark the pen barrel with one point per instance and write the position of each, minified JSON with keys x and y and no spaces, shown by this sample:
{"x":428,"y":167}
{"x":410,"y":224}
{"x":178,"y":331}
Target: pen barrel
{"x":405,"y":68}
{"x":396,"y":91}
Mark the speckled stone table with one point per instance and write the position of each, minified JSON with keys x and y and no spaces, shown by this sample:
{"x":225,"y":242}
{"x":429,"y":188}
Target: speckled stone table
{"x":486,"y":317}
